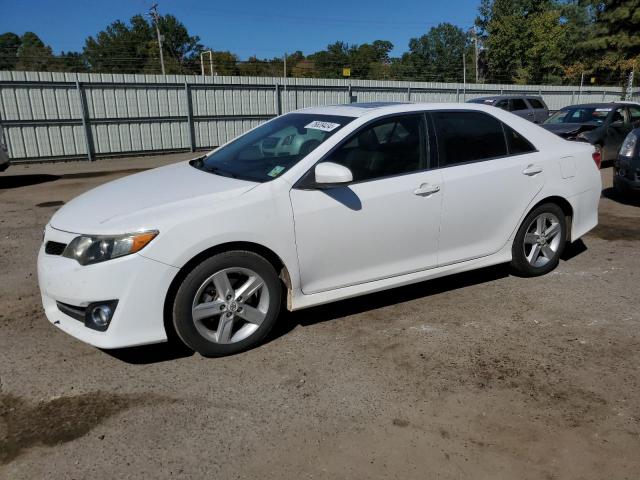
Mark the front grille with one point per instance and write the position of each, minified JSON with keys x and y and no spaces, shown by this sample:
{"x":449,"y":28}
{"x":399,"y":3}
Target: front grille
{"x":77,"y":313}
{"x":54,"y":248}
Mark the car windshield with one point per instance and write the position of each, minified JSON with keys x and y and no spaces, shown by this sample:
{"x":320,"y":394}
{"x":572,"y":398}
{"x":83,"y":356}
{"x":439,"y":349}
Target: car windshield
{"x":580,"y":115}
{"x":268,"y":151}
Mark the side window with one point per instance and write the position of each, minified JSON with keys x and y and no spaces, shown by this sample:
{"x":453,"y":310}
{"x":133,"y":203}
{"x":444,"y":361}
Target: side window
{"x":535,"y":103}
{"x":390,"y":146}
{"x":468,"y":136}
{"x":503,"y":104}
{"x":518,"y":104}
{"x":517,"y":143}
{"x":635,"y":114}
{"x":619,"y":116}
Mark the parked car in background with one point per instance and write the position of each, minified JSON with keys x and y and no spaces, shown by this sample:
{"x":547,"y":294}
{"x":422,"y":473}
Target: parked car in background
{"x":309,"y":208}
{"x":4,"y":154}
{"x":531,"y":108}
{"x":626,"y":168}
{"x":604,"y":125}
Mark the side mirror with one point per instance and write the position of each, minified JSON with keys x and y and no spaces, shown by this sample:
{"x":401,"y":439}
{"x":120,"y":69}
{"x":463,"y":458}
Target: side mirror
{"x":329,"y":173}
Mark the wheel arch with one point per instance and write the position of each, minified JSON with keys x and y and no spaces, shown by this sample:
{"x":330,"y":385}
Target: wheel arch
{"x":563,"y":203}
{"x":265,"y":252}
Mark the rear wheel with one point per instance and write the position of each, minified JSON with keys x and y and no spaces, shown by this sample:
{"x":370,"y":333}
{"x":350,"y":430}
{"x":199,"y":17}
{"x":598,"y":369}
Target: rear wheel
{"x":540,"y":241}
{"x":227,"y":304}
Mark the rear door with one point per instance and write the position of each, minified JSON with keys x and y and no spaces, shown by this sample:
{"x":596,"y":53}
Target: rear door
{"x":490,"y":175}
{"x":540,"y":110}
{"x":521,"y":108}
{"x":619,"y":125}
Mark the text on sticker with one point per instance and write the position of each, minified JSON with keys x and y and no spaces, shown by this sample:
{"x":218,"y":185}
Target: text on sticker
{"x":324,"y":126}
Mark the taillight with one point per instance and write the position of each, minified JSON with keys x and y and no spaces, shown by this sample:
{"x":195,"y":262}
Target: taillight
{"x":597,"y":157}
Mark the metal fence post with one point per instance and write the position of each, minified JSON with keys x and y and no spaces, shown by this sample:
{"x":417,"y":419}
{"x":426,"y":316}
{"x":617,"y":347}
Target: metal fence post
{"x":192,"y":137}
{"x":408,"y":94}
{"x":277,"y":100}
{"x":88,"y":137}
{"x":349,"y":93}
{"x":457,"y":94}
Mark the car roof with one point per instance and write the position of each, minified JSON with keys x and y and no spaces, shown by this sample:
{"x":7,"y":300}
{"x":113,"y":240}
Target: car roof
{"x":375,"y":109}
{"x":593,"y":105}
{"x":499,"y":97}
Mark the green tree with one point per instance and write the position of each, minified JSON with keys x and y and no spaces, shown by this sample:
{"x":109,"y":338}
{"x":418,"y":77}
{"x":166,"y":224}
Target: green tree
{"x":525,"y":41}
{"x":616,"y":39}
{"x":33,"y":54}
{"x":437,"y":55}
{"x":133,"y":48}
{"x":9,"y":46}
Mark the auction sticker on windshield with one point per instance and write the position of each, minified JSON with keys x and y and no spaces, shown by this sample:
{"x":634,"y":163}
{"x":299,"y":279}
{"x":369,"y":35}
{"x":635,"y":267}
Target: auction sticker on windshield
{"x":324,"y":126}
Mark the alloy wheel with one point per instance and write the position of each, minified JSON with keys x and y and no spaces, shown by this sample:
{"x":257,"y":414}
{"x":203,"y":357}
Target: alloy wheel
{"x":542,"y":240}
{"x":230,"y":305}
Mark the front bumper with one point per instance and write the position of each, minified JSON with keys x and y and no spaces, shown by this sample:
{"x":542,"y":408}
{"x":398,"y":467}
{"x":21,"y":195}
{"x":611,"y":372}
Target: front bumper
{"x":626,"y":178}
{"x":139,"y":284}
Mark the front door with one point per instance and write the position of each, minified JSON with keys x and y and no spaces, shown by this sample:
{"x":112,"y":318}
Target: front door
{"x":385,"y":223}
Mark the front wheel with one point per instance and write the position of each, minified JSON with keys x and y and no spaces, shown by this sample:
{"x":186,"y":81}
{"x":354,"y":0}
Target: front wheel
{"x":540,"y":241}
{"x":227,"y":304}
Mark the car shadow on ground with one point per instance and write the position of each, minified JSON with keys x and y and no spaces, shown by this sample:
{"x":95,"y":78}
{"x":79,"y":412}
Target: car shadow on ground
{"x":385,"y":298}
{"x":373,"y":301}
{"x":18,"y":181}
{"x":147,"y":354}
{"x":174,"y":350}
{"x":613,"y":195}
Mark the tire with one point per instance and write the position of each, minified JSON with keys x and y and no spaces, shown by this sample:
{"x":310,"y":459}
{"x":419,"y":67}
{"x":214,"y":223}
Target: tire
{"x":211,"y":315}
{"x":534,"y":254}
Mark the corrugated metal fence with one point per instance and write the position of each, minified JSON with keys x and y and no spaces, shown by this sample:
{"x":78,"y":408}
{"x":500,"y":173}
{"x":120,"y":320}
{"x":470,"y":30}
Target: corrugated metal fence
{"x":48,"y":116}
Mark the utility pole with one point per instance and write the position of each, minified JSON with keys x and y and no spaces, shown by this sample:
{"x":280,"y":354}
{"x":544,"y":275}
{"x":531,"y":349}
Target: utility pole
{"x":629,"y":91}
{"x":464,"y":77}
{"x":581,"y":83}
{"x":202,"y":54}
{"x":153,"y":11}
{"x":475,"y":41}
{"x":285,"y":64}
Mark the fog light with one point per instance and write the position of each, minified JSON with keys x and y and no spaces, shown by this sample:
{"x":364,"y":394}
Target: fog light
{"x":99,"y":315}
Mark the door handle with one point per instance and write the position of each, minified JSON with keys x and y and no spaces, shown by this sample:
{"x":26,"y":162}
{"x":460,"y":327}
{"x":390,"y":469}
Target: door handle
{"x":530,"y":114}
{"x":532,"y":170}
{"x":426,"y":189}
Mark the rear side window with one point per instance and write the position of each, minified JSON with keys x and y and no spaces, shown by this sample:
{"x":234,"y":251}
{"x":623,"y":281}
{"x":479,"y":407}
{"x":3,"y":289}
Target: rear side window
{"x":518,"y":104}
{"x":516,"y":143}
{"x":468,"y":137}
{"x":536,"y":103}
{"x":503,"y":104}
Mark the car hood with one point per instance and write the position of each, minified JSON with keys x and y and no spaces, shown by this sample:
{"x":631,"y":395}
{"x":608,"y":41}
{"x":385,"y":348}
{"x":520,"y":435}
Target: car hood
{"x":140,"y":201}
{"x":564,"y":129}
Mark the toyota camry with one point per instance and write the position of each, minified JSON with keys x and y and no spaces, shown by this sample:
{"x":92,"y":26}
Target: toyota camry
{"x":308,"y":208}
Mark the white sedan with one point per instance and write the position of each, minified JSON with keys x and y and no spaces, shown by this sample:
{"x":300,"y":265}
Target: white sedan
{"x":312,"y":207}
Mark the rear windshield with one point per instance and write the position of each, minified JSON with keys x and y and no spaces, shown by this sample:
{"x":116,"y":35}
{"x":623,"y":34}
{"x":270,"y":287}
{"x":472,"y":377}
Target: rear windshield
{"x":580,"y":115}
{"x":271,"y":149}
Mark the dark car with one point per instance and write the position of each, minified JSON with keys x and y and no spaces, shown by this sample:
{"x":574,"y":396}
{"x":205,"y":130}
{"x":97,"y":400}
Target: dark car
{"x":604,"y":125}
{"x":4,"y":156}
{"x":529,"y":107}
{"x":626,"y":168}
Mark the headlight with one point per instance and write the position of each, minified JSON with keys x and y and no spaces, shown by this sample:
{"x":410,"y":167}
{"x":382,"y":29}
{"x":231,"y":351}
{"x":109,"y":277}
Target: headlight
{"x":629,"y":145}
{"x":88,"y":249}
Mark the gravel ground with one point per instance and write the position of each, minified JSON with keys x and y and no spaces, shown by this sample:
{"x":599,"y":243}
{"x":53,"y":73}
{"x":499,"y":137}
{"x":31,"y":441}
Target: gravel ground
{"x":481,"y":375}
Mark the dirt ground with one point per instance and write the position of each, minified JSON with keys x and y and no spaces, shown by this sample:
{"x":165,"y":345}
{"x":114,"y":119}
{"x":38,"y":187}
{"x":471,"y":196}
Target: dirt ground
{"x":481,"y":375}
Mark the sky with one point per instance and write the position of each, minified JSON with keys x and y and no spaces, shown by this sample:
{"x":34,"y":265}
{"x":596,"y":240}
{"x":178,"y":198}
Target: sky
{"x":263,"y":28}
